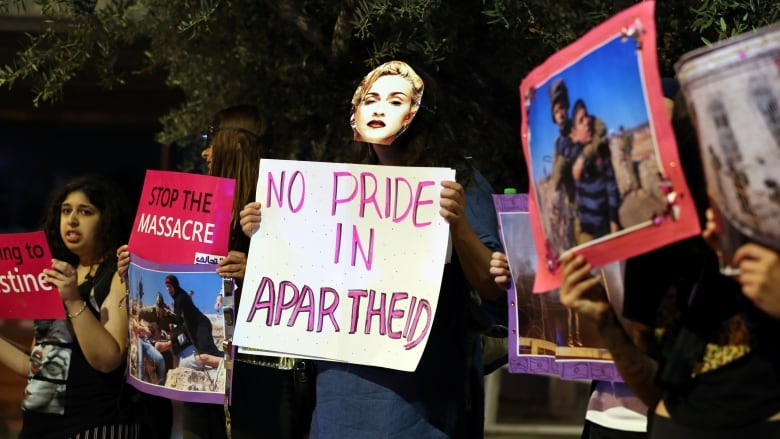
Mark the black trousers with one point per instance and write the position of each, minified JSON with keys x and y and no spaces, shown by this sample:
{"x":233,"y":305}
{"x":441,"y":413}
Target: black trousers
{"x":667,"y":428}
{"x":264,"y":404}
{"x":596,"y":431}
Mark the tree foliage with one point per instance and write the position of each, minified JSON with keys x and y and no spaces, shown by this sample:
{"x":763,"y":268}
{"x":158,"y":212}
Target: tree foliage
{"x":300,"y":60}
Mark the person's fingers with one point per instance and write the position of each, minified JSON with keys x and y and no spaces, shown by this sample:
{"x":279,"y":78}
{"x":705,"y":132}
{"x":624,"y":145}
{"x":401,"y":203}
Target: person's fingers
{"x":750,"y":251}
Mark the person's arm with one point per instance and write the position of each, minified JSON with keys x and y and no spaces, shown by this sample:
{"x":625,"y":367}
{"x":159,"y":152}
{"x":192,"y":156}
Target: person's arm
{"x":208,"y":360}
{"x":710,"y":232}
{"x":637,"y":369}
{"x":583,"y":293}
{"x":163,"y":346}
{"x":474,"y":256}
{"x":139,"y":329}
{"x":14,"y":357}
{"x":759,"y":275}
{"x":103,"y":340}
{"x":177,"y":315}
{"x":578,"y":167}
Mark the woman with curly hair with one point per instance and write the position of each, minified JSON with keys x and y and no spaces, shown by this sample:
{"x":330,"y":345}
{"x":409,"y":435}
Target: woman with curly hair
{"x":77,"y":365}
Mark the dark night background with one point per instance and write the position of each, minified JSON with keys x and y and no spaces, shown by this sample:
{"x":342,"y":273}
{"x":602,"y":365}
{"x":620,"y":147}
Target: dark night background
{"x":36,"y":159}
{"x":88,"y":130}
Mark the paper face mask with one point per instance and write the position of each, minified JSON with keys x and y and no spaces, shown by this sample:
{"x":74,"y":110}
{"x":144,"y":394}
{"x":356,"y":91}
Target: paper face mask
{"x":385,"y":103}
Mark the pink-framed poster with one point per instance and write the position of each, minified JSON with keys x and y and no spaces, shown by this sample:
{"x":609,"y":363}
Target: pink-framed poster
{"x":605,"y":177}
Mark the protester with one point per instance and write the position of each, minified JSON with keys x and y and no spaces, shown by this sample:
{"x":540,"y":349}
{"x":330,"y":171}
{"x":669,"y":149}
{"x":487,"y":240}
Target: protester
{"x":266,"y":398}
{"x":76,"y":368}
{"x":613,"y":411}
{"x":443,"y":397}
{"x":707,"y":364}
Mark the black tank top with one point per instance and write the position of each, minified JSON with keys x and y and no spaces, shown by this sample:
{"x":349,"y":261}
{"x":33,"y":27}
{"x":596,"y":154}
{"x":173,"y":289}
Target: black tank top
{"x":64,"y":393}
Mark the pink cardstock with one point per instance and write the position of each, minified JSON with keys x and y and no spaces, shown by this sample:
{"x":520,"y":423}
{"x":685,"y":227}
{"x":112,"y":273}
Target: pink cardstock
{"x":24,"y":294}
{"x":183,"y":218}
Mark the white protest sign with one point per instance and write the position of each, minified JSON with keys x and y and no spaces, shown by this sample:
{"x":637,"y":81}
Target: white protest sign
{"x":347,"y":263}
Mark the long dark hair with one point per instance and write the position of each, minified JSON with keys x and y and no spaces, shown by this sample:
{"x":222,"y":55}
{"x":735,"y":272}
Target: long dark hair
{"x":115,"y":216}
{"x":430,"y":139}
{"x":235,"y":134}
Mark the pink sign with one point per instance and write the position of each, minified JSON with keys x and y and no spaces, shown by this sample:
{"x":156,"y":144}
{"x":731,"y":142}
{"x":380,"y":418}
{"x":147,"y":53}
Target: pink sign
{"x":24,"y":294}
{"x":183,"y":218}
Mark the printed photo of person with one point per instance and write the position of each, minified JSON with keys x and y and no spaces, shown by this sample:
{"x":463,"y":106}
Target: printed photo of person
{"x":194,"y":344}
{"x":563,"y":225}
{"x":596,"y":191}
{"x":176,"y":336}
{"x":49,"y":365}
{"x":583,"y":188}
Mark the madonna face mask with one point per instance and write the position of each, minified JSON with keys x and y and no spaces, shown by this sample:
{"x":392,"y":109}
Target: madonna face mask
{"x":385,"y":103}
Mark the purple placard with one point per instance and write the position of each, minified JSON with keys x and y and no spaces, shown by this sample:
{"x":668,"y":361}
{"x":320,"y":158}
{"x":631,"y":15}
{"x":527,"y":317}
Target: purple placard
{"x":544,"y":337}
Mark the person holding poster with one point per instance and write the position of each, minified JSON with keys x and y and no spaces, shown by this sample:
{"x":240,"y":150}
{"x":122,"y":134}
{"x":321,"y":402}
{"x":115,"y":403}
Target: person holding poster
{"x":443,"y":397}
{"x":263,"y":388}
{"x":264,"y":399}
{"x":613,"y":411}
{"x":76,"y":368}
{"x":713,"y":369}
